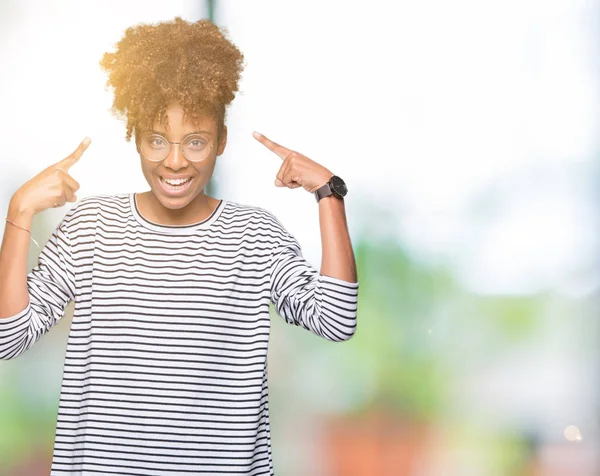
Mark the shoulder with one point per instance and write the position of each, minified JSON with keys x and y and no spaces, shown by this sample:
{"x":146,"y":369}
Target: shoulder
{"x":253,"y":214}
{"x":88,"y":207}
{"x":262,"y":222}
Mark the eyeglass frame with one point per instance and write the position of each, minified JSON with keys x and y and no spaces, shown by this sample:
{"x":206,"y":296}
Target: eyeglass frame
{"x":210,"y":143}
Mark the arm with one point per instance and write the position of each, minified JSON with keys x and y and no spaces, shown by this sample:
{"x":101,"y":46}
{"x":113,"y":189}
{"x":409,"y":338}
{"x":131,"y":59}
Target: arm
{"x":325,"y":305}
{"x":32,"y":303}
{"x":40,"y":297}
{"x":296,"y":171}
{"x":14,"y":296}
{"x":337,"y":258}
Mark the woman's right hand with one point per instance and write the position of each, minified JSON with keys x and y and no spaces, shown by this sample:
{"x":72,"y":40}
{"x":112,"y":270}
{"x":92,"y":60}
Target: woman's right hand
{"x":52,"y":187}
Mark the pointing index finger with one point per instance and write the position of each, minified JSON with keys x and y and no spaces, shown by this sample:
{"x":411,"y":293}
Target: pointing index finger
{"x":280,"y":150}
{"x":72,"y":159}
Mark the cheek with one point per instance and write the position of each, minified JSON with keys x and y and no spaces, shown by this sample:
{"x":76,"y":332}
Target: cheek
{"x":148,"y":168}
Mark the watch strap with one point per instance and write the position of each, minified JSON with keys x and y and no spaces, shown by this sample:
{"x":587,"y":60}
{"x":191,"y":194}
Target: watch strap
{"x":323,"y":192}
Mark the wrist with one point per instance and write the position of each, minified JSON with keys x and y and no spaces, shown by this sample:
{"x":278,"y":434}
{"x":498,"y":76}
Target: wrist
{"x":17,"y":211}
{"x":324,"y":180}
{"x":334,"y":187}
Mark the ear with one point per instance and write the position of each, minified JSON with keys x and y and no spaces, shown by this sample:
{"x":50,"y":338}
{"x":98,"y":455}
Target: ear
{"x":222,"y":141}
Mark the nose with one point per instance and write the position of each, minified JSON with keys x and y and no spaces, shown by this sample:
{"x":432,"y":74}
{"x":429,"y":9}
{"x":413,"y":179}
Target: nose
{"x":175,"y":160}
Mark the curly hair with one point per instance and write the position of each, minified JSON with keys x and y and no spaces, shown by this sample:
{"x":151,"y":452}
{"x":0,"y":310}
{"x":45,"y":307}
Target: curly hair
{"x":191,"y":63}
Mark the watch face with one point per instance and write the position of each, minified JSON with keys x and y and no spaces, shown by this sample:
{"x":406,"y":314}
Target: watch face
{"x":338,"y":186}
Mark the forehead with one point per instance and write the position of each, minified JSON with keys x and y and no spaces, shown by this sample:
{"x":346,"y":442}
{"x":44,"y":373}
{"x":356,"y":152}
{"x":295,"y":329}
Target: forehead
{"x":176,"y":121}
{"x":204,"y":123}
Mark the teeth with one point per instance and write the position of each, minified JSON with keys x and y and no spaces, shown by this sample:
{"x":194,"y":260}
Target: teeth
{"x":175,"y":182}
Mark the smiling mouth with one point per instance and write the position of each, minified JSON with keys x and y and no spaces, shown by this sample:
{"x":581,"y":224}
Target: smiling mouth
{"x":175,"y":186}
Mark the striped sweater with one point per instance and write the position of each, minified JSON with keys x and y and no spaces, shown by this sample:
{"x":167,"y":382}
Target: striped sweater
{"x":165,"y":370}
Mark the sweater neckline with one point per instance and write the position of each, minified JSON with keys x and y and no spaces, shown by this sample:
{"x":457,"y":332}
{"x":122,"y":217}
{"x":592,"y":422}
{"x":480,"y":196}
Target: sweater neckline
{"x":174,"y":229}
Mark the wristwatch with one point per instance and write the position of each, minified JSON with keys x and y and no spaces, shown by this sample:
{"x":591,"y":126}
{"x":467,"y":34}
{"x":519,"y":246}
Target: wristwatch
{"x":335,"y":187}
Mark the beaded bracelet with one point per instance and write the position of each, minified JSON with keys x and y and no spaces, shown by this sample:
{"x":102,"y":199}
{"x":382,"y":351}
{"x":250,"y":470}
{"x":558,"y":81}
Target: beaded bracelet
{"x":25,"y":229}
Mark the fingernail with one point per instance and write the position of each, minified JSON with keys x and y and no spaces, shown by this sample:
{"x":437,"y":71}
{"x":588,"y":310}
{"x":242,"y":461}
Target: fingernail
{"x":87,"y":140}
{"x":256,"y":134}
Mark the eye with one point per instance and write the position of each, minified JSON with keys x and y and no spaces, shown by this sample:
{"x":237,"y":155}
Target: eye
{"x":156,"y":142}
{"x":196,"y":142}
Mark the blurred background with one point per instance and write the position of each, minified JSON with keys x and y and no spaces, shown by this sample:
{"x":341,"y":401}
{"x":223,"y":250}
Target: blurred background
{"x":467,"y":133}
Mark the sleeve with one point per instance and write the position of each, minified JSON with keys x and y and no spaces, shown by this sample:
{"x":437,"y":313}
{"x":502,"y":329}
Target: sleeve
{"x":51,"y":286}
{"x":302,"y":296}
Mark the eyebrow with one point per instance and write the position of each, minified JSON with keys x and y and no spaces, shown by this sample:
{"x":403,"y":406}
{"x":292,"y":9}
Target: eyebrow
{"x":193,"y":132}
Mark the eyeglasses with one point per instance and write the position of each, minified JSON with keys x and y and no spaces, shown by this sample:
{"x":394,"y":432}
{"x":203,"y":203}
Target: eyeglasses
{"x":194,"y":147}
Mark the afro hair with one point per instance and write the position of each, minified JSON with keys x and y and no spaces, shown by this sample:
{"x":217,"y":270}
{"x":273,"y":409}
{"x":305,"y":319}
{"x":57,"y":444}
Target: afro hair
{"x":193,"y":64}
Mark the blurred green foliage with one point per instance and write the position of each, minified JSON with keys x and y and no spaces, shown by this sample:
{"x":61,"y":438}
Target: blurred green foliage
{"x":411,"y":317}
{"x":399,"y":301}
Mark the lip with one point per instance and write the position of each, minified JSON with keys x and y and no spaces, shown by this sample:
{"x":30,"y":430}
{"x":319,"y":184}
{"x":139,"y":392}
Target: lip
{"x":177,"y":193}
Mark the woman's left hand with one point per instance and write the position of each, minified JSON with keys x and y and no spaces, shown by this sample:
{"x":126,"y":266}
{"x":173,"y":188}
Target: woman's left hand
{"x":297,"y":170}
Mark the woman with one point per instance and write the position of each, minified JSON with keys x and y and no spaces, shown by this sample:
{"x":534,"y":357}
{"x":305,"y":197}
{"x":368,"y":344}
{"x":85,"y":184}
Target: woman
{"x":166,"y":362}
